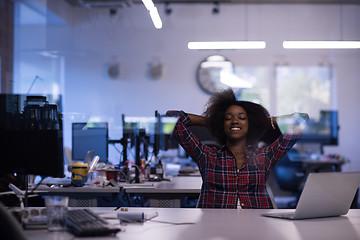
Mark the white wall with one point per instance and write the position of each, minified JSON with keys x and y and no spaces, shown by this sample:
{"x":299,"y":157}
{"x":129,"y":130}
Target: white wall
{"x":93,"y":39}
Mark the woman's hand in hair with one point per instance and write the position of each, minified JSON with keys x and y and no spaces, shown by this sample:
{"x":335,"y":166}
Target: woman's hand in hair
{"x":294,"y":123}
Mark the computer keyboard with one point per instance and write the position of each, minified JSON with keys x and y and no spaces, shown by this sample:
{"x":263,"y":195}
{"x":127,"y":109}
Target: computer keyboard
{"x":84,"y":222}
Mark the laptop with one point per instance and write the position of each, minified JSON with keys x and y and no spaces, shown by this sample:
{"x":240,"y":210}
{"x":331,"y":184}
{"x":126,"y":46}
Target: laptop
{"x":325,"y":194}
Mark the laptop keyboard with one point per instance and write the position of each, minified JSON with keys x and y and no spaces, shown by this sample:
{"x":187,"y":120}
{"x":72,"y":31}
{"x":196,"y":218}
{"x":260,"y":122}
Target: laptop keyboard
{"x":288,"y":215}
{"x":283,"y":215}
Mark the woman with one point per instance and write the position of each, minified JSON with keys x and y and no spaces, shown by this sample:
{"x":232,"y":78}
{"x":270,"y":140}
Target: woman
{"x":235,"y":175}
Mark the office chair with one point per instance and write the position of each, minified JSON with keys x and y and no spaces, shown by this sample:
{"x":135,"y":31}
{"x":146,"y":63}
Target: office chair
{"x":290,"y":176}
{"x":269,"y":191}
{"x":271,"y":195}
{"x":204,"y":136}
{"x":10,"y":228}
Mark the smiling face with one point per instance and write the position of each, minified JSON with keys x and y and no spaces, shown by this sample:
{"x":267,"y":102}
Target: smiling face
{"x":236,"y":124}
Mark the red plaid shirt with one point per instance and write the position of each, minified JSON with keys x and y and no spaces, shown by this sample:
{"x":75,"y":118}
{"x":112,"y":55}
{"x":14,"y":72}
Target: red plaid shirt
{"x":223,"y":184}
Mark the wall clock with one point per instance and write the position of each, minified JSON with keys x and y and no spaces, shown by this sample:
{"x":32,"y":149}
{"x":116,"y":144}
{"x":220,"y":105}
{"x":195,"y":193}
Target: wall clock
{"x":211,"y":72}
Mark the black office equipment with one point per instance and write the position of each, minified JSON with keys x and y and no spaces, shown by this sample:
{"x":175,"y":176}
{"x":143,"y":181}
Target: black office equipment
{"x":31,"y":135}
{"x":84,"y":222}
{"x":324,"y":131}
{"x":143,"y":132}
{"x":10,"y":228}
{"x":90,"y":136}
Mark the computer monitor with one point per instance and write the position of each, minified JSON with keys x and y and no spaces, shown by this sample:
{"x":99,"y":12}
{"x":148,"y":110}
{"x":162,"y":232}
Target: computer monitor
{"x":31,"y":135}
{"x":158,"y":129}
{"x":324,"y":130}
{"x":90,"y":136}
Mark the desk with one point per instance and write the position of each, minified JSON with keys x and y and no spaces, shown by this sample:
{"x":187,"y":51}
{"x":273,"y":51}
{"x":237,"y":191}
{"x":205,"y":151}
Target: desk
{"x":322,"y":166}
{"x":160,"y":194}
{"x":221,"y":224}
{"x":85,"y":196}
{"x":167,"y":193}
{"x":177,"y":185}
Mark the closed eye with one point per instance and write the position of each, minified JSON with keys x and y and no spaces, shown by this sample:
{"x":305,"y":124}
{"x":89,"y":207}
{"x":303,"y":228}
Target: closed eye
{"x":241,"y":116}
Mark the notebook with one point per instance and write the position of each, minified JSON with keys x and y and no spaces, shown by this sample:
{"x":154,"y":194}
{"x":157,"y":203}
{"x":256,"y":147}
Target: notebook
{"x":325,"y":194}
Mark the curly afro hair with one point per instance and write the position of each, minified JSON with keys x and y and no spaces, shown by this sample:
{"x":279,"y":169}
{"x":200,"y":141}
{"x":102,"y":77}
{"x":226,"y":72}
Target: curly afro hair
{"x":258,"y":116}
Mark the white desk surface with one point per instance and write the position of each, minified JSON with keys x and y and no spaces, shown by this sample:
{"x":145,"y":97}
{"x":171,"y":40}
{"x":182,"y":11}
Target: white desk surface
{"x":221,"y":224}
{"x":83,"y":189}
{"x":191,"y":184}
{"x":176,"y":185}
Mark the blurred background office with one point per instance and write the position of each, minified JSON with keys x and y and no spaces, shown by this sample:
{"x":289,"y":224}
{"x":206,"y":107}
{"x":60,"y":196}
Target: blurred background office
{"x":107,"y":59}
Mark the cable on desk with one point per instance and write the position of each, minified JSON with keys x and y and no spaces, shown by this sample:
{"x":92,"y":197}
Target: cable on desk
{"x":36,"y":186}
{"x":172,"y":223}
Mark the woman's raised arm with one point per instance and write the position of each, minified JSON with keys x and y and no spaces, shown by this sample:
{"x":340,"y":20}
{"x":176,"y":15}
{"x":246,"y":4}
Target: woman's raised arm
{"x":197,"y":120}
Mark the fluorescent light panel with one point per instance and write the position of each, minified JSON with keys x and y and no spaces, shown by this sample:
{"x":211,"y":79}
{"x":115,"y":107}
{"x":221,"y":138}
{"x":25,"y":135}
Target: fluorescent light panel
{"x":154,"y":14}
{"x":148,"y":4}
{"x":321,"y":44}
{"x":155,"y":17}
{"x":227,"y":45}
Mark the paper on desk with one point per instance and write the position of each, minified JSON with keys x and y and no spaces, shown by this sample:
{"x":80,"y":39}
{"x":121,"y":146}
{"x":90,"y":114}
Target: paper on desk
{"x":50,"y":180}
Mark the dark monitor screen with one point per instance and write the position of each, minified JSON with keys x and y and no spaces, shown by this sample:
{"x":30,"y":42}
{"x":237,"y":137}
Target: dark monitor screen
{"x":159,"y":130}
{"x":90,"y":136}
{"x":323,"y":130}
{"x":29,"y":152}
{"x":31,"y":135}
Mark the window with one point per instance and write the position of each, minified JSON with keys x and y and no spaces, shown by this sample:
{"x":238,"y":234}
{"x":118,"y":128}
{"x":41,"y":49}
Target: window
{"x":259,"y":78}
{"x":304,"y":89}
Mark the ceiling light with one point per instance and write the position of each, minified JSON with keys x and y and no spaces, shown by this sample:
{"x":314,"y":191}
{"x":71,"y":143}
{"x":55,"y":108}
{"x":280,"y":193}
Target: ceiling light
{"x":227,"y":45}
{"x":148,"y":4}
{"x":155,"y":17}
{"x":321,"y":44}
{"x":154,"y":14}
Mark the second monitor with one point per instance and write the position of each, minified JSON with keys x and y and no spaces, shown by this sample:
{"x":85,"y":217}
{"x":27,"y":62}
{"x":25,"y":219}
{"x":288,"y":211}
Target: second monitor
{"x":90,"y":136}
